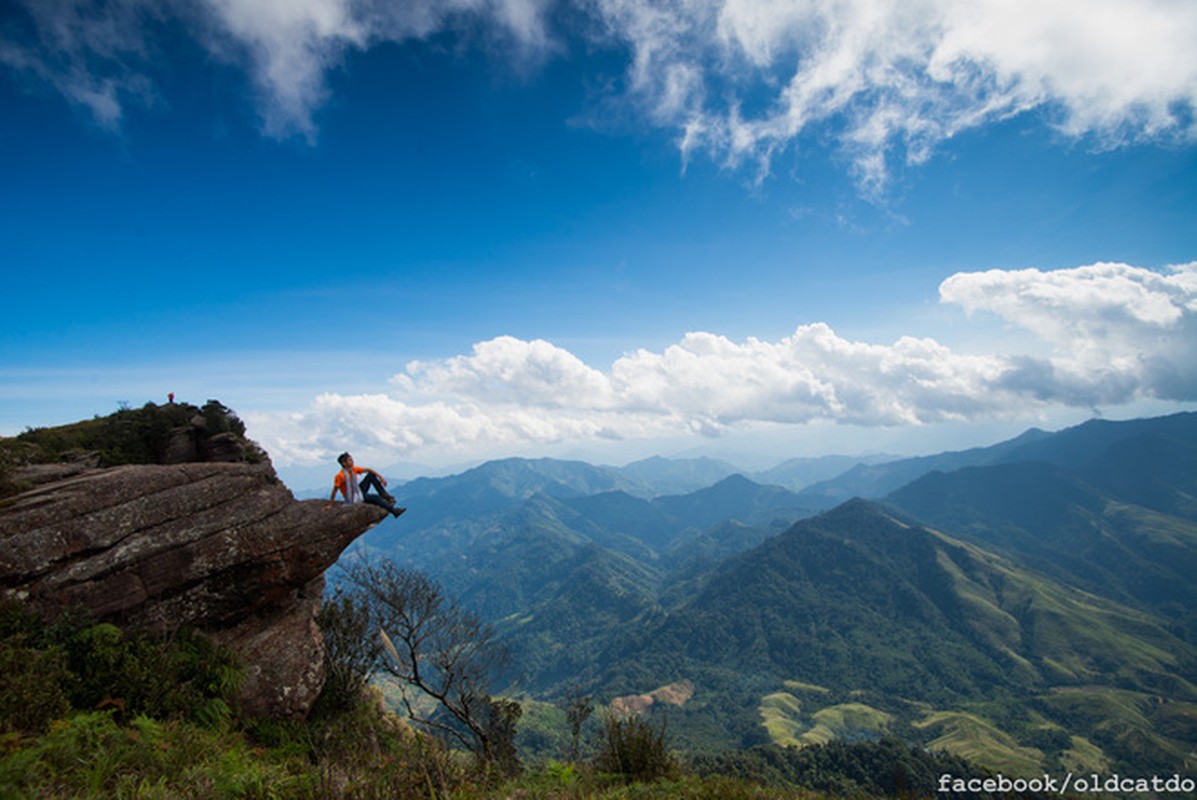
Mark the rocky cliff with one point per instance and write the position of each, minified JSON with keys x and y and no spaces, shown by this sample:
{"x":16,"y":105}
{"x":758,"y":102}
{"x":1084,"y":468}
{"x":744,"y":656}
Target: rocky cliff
{"x":222,"y":547}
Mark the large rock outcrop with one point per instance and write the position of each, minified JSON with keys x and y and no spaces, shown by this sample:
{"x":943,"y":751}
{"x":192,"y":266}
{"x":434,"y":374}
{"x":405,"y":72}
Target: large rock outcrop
{"x":222,"y":547}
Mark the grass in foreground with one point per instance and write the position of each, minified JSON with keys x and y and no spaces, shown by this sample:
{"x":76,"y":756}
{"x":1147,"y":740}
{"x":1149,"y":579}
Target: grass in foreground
{"x":91,"y":755}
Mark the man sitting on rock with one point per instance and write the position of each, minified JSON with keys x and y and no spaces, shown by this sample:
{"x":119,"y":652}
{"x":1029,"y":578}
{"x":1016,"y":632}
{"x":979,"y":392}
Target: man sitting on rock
{"x":355,"y":491}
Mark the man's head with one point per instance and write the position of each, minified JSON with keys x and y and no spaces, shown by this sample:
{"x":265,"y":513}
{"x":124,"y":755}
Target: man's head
{"x":345,"y":460}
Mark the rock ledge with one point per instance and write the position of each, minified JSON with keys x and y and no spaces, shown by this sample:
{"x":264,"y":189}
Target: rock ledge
{"x":222,"y":547}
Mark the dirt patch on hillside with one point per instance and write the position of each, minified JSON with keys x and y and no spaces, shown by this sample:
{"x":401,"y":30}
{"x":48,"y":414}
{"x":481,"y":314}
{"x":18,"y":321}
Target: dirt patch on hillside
{"x":677,"y":694}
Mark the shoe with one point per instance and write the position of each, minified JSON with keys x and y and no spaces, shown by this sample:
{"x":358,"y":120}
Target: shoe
{"x":398,"y":511}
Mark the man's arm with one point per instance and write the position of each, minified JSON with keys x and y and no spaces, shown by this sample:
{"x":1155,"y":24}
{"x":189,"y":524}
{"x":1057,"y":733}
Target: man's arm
{"x":332,"y":497}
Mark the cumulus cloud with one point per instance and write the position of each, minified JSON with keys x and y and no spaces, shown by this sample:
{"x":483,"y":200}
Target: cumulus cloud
{"x":813,"y":374}
{"x":1116,"y":333}
{"x":1115,"y":329}
{"x":506,"y":370}
{"x":741,"y":80}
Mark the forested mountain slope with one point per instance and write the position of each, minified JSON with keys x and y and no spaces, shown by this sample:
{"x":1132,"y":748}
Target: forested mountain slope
{"x":1026,"y":604}
{"x":1056,"y":522}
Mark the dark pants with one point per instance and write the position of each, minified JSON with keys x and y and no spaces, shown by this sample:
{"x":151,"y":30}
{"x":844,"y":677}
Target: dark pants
{"x":371,"y":482}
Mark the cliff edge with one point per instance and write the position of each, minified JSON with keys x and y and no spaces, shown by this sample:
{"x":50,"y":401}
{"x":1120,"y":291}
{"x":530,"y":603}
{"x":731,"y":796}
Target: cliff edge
{"x":219,"y":546}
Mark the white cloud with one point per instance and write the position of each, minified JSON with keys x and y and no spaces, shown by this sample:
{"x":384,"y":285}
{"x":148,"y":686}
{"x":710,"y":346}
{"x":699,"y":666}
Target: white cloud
{"x":1095,"y":303}
{"x":1118,"y":333}
{"x":99,"y":55}
{"x":506,"y":369}
{"x":739,"y":79}
{"x":813,"y":374}
{"x":905,"y":76}
{"x":1116,"y":330}
{"x":290,"y":45}
{"x":93,"y":55}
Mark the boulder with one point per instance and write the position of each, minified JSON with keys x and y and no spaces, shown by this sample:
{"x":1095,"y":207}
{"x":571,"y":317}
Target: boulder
{"x":222,"y":547}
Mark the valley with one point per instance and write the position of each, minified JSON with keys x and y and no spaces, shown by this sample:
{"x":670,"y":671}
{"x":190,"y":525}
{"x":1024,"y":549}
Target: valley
{"x":1027,"y":605}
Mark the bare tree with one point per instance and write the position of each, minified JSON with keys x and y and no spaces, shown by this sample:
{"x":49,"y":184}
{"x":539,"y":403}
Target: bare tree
{"x":578,"y":708}
{"x":438,"y":652}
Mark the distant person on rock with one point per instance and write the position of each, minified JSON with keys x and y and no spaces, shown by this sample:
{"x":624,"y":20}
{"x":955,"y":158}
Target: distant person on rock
{"x":355,"y":491}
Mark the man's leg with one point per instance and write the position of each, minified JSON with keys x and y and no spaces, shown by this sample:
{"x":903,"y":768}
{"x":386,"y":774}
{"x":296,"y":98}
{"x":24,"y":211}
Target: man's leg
{"x":371,"y":482}
{"x":375,"y":500}
{"x":383,"y":499}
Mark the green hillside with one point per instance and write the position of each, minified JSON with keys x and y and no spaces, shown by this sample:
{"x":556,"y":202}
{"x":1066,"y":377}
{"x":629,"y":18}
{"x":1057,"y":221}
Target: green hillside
{"x":909,"y":629}
{"x":877,"y":480}
{"x":522,"y":544}
{"x":1150,"y":462}
{"x":734,"y":497}
{"x":1041,"y":516}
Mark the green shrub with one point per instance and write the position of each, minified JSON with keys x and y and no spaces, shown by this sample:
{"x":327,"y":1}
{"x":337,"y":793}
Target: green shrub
{"x":90,"y":755}
{"x":500,"y":721}
{"x":578,"y":708}
{"x":47,"y":669}
{"x":8,"y":484}
{"x":634,"y":749}
{"x":218,"y":418}
{"x":32,"y":688}
{"x":127,"y":436}
{"x":185,"y":676}
{"x":34,"y":679}
{"x":351,"y":652}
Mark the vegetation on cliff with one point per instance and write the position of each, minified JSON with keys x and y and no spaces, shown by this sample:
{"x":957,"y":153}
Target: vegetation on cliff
{"x":153,"y":434}
{"x":48,"y":670}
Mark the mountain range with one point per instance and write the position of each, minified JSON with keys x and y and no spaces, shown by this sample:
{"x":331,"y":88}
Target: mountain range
{"x":1026,"y":605}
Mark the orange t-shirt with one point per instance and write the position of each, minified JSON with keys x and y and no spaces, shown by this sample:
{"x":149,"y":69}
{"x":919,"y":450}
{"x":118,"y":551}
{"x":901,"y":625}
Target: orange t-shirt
{"x":339,"y":481}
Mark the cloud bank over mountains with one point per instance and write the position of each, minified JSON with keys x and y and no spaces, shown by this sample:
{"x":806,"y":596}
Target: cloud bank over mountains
{"x":1112,"y":334}
{"x":737,"y":80}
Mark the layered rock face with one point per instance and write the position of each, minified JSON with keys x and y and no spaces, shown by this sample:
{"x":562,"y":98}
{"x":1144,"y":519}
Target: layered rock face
{"x":222,"y":547}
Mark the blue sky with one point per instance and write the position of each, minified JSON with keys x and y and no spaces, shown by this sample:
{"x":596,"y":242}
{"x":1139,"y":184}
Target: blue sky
{"x":443,"y":232}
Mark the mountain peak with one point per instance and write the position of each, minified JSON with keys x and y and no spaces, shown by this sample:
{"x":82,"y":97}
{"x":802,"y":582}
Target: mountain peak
{"x":735,"y":481}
